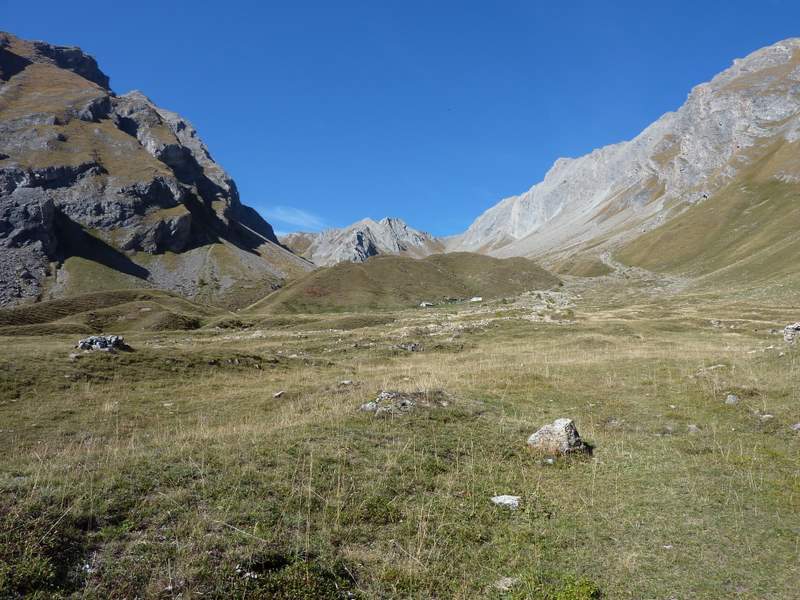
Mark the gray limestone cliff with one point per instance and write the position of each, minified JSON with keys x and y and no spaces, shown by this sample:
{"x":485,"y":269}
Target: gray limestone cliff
{"x":685,"y":157}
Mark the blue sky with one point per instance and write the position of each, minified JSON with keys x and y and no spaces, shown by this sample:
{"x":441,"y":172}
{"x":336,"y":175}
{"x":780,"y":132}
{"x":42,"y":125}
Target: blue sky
{"x":328,"y":112}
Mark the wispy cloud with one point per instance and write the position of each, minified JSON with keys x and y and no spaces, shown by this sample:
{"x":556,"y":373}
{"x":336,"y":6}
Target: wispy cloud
{"x":288,"y":216}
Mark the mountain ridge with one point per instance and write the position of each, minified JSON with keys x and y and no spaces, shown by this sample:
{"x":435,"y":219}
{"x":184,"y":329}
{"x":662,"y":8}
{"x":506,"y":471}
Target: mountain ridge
{"x":612,"y":194}
{"x":99,"y":189}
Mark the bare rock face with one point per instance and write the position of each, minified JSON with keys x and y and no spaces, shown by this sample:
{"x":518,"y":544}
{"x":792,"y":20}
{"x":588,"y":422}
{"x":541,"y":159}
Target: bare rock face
{"x":559,"y":437}
{"x":27,"y":240}
{"x":683,"y":158}
{"x":114,"y":180}
{"x":362,"y":240}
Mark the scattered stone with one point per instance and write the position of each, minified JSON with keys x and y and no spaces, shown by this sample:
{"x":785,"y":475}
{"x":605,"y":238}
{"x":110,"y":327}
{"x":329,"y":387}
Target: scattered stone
{"x":398,"y":403}
{"x":559,"y":437}
{"x":504,"y":584}
{"x":346,"y":382}
{"x":507,"y":501}
{"x":549,"y":461}
{"x":692,"y":428}
{"x":704,"y":370}
{"x":731,"y":399}
{"x":476,"y":299}
{"x":791,"y":333}
{"x":715,"y":323}
{"x":279,"y":394}
{"x":74,"y":356}
{"x":410,"y":347}
{"x":796,"y":427}
{"x":104,"y":343}
{"x":767,"y":417}
{"x":371,"y":406}
{"x":425,"y":304}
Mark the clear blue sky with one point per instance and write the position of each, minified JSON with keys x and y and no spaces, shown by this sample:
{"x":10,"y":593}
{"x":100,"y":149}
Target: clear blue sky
{"x":326,"y":112}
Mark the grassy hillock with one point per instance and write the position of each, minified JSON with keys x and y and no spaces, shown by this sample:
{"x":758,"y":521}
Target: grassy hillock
{"x":117,"y":311}
{"x":582,"y":265}
{"x":390,"y":282}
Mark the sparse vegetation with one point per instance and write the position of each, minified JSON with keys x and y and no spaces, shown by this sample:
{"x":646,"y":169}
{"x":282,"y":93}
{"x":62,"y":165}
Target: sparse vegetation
{"x":391,"y":282}
{"x":173,"y":470}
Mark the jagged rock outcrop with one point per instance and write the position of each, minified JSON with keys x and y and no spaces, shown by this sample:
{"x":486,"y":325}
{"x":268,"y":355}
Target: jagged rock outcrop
{"x":119,"y":183}
{"x":361,"y":240}
{"x":619,"y":191}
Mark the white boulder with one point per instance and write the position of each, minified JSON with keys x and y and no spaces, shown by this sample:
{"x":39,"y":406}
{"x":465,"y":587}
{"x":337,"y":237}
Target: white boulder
{"x":559,"y":437}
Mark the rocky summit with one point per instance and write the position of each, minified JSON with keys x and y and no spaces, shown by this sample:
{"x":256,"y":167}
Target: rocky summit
{"x":361,"y":240}
{"x":99,"y":190}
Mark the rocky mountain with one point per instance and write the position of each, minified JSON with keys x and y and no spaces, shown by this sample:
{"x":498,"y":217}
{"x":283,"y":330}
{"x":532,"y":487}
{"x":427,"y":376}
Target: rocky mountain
{"x":361,"y":240}
{"x":747,"y":118}
{"x":103,"y":191}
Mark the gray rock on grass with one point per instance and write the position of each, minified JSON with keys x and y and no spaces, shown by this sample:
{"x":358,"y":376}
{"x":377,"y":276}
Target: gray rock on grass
{"x":504,"y":584}
{"x":791,"y":333}
{"x":507,"y":501}
{"x":559,"y":437}
{"x":410,"y":347}
{"x":105,"y":343}
{"x":399,"y":403}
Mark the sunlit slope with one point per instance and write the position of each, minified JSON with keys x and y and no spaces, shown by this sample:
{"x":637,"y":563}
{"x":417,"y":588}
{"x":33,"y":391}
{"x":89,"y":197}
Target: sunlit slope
{"x":397,"y":282}
{"x":112,"y":312}
{"x":749,"y":232}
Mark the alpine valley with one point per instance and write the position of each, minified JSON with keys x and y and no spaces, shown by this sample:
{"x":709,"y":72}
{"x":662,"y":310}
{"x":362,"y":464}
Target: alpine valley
{"x":590,"y":393}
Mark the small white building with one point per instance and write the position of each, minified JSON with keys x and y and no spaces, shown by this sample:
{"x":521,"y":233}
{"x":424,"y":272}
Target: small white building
{"x":476,"y":299}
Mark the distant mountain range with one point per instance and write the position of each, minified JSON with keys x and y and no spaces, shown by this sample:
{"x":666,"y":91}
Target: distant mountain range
{"x":732,"y":149}
{"x":103,"y":191}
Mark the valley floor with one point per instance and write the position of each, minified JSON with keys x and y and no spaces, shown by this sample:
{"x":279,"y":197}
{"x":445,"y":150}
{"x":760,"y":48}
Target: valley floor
{"x":178,"y":469}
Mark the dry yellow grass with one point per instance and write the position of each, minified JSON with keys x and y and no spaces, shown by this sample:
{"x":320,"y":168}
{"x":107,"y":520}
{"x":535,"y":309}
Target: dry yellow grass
{"x":170,"y":466}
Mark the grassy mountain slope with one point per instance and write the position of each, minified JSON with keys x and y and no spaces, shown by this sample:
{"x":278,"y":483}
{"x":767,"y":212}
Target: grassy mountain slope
{"x":397,"y":282}
{"x":748,"y":232}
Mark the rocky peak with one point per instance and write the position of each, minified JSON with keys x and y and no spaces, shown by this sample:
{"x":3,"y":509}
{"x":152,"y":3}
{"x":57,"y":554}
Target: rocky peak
{"x":81,"y":167}
{"x":361,"y":240}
